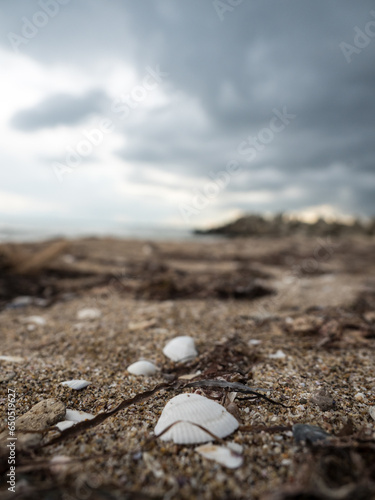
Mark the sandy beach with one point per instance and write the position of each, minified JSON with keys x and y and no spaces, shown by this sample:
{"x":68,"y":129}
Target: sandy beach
{"x":292,"y":316}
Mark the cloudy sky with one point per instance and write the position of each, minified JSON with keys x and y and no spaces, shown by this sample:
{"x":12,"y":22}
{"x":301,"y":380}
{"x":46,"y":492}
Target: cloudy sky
{"x":184,"y":113}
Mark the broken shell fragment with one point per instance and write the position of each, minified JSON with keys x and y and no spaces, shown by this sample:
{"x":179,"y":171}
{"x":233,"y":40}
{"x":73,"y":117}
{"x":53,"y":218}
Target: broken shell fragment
{"x":72,"y":417}
{"x":88,"y":314}
{"x":78,"y":416}
{"x":142,"y":368}
{"x":221,"y":454}
{"x":185,"y":410}
{"x":64,"y":424}
{"x":76,"y":384}
{"x":180,"y":348}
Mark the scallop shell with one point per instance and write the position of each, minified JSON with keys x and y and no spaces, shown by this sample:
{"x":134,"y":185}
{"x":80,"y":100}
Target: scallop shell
{"x":142,"y":368}
{"x":76,"y":384}
{"x":199,"y":410}
{"x":180,"y":348}
{"x":221,"y":454}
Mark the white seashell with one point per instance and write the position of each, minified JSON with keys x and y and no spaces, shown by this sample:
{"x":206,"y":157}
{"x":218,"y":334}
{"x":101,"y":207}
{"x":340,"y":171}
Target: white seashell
{"x":88,"y":314}
{"x":142,"y":368}
{"x":76,"y":384}
{"x":36,"y":320}
{"x":372,"y":412}
{"x":15,"y":359}
{"x":180,"y":348}
{"x":78,"y":416}
{"x":199,"y":410}
{"x":221,"y":454}
{"x":64,"y":424}
{"x":278,"y":355}
{"x":254,"y":342}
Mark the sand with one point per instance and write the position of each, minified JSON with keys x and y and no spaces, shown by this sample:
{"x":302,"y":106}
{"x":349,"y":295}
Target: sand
{"x":310,"y":299}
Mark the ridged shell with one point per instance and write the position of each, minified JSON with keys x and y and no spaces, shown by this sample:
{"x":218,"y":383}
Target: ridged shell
{"x":221,"y":454}
{"x":142,"y":368}
{"x":199,"y":410}
{"x":180,"y":348}
{"x":76,"y":384}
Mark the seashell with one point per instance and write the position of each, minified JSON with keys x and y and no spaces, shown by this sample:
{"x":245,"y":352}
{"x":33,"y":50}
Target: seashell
{"x":142,"y":367}
{"x":278,"y":355}
{"x":36,"y":320}
{"x":65,"y":424}
{"x":88,"y":314}
{"x":372,"y":412}
{"x":78,"y":416}
{"x":221,"y":454}
{"x":180,"y":348}
{"x":76,"y":384}
{"x":14,"y":359}
{"x":186,"y":408}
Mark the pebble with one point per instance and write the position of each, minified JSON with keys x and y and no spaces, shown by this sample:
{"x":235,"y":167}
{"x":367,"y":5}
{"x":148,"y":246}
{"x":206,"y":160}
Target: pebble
{"x":323,"y":399}
{"x":309,"y":433}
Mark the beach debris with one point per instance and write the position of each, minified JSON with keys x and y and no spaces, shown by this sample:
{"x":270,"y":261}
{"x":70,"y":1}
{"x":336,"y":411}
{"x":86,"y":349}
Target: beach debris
{"x":224,"y":455}
{"x":177,"y":420}
{"x":88,"y":314}
{"x":41,"y":416}
{"x":278,"y":355}
{"x":142,"y":367}
{"x":324,"y":400}
{"x":180,"y":348}
{"x":141,"y":325}
{"x":371,"y":412}
{"x":76,"y":384}
{"x":12,"y":359}
{"x":309,"y":433}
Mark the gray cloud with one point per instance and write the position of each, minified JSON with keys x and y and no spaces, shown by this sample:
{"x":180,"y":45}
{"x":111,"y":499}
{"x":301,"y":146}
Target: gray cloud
{"x":60,"y":109}
{"x":263,"y":55}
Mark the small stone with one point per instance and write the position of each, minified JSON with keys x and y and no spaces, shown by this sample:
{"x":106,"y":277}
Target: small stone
{"x":360,"y":396}
{"x":323,"y":399}
{"x":309,"y":433}
{"x":372,"y":412}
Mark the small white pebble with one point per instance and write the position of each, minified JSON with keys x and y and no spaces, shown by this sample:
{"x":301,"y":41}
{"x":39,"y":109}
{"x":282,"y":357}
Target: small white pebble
{"x":360,"y":396}
{"x":254,"y":342}
{"x":278,"y":355}
{"x":88,"y":314}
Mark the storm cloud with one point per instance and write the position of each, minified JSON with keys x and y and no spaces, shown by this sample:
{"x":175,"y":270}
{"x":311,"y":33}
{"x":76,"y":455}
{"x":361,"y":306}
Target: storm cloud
{"x":231,"y":70}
